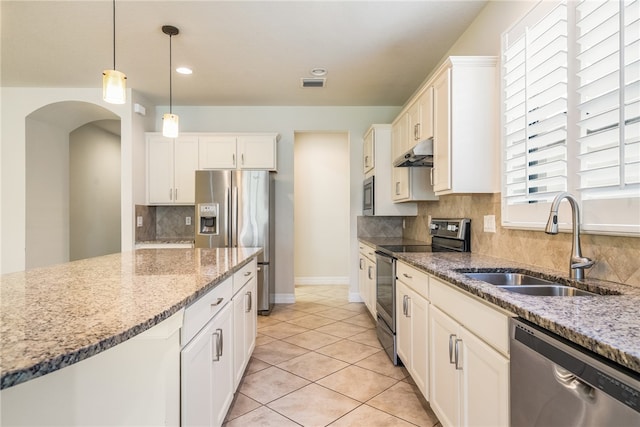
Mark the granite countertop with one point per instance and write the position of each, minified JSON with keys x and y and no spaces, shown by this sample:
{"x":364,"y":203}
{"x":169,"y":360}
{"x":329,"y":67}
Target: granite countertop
{"x":55,"y":316}
{"x":607,"y":324}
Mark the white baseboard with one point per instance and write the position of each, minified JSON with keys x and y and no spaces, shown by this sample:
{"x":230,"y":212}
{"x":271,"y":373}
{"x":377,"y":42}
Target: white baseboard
{"x":322,"y":280}
{"x":284,"y":298}
{"x":355,"y":297}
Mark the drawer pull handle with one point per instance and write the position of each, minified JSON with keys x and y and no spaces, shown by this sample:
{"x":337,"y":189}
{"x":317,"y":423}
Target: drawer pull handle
{"x":218,"y":301}
{"x":457,"y":355}
{"x":248,"y":273}
{"x":451,"y":337}
{"x":407,"y":276}
{"x":250,"y":301}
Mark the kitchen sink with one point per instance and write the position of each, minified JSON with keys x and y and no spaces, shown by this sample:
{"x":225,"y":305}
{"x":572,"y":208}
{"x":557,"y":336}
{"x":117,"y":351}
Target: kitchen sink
{"x":508,"y":279}
{"x":548,"y":290}
{"x":526,"y":284}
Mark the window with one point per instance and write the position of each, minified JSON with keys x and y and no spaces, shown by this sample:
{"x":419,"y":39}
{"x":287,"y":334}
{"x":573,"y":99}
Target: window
{"x":571,"y":114}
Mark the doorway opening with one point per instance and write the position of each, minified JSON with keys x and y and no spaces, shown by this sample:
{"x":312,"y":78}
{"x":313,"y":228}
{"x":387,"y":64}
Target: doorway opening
{"x":321,"y":208}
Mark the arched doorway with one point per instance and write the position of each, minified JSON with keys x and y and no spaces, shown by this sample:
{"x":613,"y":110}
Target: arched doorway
{"x":59,"y":185}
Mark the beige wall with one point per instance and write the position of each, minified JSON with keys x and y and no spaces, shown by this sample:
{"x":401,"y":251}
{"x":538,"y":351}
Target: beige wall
{"x":321,"y":208}
{"x":94,"y":192}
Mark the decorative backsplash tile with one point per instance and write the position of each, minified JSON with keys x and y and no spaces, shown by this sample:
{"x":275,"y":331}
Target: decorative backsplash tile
{"x":165,"y":223}
{"x":616,"y":257}
{"x":379,"y":226}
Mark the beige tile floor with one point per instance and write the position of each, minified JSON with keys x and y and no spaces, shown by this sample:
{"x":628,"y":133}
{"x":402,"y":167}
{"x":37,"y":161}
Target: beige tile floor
{"x":318,"y":363}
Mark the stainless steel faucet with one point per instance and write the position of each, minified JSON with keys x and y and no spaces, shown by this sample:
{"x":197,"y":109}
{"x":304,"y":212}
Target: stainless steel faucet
{"x":578,"y":263}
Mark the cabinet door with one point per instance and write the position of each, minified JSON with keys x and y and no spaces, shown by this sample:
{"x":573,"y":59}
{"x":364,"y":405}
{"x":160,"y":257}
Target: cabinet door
{"x":441,"y":132}
{"x":403,"y":323}
{"x":222,"y":368}
{"x":419,"y":316}
{"x":425,"y":130}
{"x":207,"y":373}
{"x":485,"y":383}
{"x":399,"y":132}
{"x":370,"y":300}
{"x":257,"y":152}
{"x":362,"y":276}
{"x":238,"y":337}
{"x":186,"y":164}
{"x":217,"y":152}
{"x":251,"y":325}
{"x":159,"y":169}
{"x":444,"y":379}
{"x":400,"y":184}
{"x":368,"y":159}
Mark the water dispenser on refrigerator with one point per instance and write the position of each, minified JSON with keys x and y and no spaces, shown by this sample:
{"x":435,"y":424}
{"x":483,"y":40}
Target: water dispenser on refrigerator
{"x":208,"y":218}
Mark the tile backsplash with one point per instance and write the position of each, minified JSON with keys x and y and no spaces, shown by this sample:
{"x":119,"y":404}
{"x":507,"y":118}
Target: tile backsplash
{"x":165,"y":223}
{"x":616,"y":257}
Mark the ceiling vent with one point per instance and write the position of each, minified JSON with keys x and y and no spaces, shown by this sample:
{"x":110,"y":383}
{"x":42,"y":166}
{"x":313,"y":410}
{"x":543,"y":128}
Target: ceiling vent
{"x":313,"y":82}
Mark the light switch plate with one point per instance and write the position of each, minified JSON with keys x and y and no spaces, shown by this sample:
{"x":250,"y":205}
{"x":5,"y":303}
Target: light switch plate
{"x":490,"y":223}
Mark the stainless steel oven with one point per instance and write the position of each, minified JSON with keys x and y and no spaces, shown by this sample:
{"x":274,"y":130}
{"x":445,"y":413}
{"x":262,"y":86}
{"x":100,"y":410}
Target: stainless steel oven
{"x":368,"y":196}
{"x":448,"y":235}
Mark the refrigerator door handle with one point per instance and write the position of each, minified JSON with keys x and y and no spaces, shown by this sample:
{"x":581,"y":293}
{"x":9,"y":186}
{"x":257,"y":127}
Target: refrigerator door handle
{"x":227,"y":236}
{"x":234,"y":218}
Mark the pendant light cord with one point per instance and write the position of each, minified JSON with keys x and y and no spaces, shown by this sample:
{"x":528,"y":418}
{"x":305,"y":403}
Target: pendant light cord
{"x":170,"y":83}
{"x":114,"y":34}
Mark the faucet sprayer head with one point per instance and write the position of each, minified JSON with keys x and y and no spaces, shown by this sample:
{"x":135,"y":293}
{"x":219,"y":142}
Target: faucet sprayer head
{"x":552,"y":223}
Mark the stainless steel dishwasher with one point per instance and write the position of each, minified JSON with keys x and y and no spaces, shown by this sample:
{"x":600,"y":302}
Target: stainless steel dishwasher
{"x":554,"y":383}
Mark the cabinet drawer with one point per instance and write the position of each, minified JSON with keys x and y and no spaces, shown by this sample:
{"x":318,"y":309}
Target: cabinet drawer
{"x":415,"y":279}
{"x":368,"y":251}
{"x":489,"y":324}
{"x":200,"y":311}
{"x":242,"y":276}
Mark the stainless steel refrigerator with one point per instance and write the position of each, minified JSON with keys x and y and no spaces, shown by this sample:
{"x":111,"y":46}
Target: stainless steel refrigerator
{"x":235,"y":209}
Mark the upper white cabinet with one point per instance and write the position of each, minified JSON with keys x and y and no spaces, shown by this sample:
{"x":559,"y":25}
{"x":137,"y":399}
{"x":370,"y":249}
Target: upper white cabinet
{"x":421,"y":118}
{"x":238,"y":151}
{"x":368,"y":159}
{"x":400,"y":139}
{"x":465,"y":126}
{"x":380,"y":137}
{"x":171,"y":166}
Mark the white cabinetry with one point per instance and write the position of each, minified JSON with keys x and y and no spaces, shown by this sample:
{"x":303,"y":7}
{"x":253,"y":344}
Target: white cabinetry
{"x":368,"y":152}
{"x":412,"y":332}
{"x":238,"y":151}
{"x":245,"y":284}
{"x":384,"y":172}
{"x":171,"y":166}
{"x":465,"y":126}
{"x":207,"y":358}
{"x":421,"y":118}
{"x":367,"y":277}
{"x":412,"y":183}
{"x":469,"y":370}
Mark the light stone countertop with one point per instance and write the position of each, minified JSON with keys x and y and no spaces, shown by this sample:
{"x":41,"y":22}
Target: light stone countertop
{"x":55,"y":316}
{"x":608,"y":325}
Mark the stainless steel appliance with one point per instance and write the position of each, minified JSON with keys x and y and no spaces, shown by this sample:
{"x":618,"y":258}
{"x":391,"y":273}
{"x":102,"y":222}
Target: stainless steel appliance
{"x":236,"y":209}
{"x":368,"y":196}
{"x":448,"y":235}
{"x":556,"y":383}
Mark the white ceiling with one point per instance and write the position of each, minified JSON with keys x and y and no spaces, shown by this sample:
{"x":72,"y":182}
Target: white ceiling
{"x":242,"y":52}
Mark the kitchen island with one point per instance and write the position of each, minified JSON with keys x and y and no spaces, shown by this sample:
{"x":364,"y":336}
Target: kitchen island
{"x":76,"y":314}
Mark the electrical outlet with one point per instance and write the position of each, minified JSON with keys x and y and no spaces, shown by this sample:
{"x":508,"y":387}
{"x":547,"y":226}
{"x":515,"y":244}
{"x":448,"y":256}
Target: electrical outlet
{"x":490,"y":223}
{"x":187,"y":220}
{"x":139,"y":221}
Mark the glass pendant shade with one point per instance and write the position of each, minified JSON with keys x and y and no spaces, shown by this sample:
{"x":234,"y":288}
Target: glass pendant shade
{"x":114,"y":87}
{"x":170,"y":125}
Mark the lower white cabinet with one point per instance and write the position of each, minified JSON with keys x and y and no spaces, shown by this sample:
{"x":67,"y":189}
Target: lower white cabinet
{"x":469,"y":376}
{"x":367,"y":277}
{"x":207,"y":372}
{"x":412,"y":314}
{"x":245,"y":303}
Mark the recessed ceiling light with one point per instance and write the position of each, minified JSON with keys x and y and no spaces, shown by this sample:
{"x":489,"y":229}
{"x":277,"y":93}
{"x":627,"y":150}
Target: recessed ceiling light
{"x":318,"y":71}
{"x":184,"y":70}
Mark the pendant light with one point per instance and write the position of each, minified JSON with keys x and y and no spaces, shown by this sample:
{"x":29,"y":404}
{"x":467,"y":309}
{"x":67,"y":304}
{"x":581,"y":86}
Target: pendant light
{"x":114,"y":82}
{"x":170,"y":120}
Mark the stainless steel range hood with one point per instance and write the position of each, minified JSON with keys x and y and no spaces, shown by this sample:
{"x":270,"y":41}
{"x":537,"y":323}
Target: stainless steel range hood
{"x":420,"y":155}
